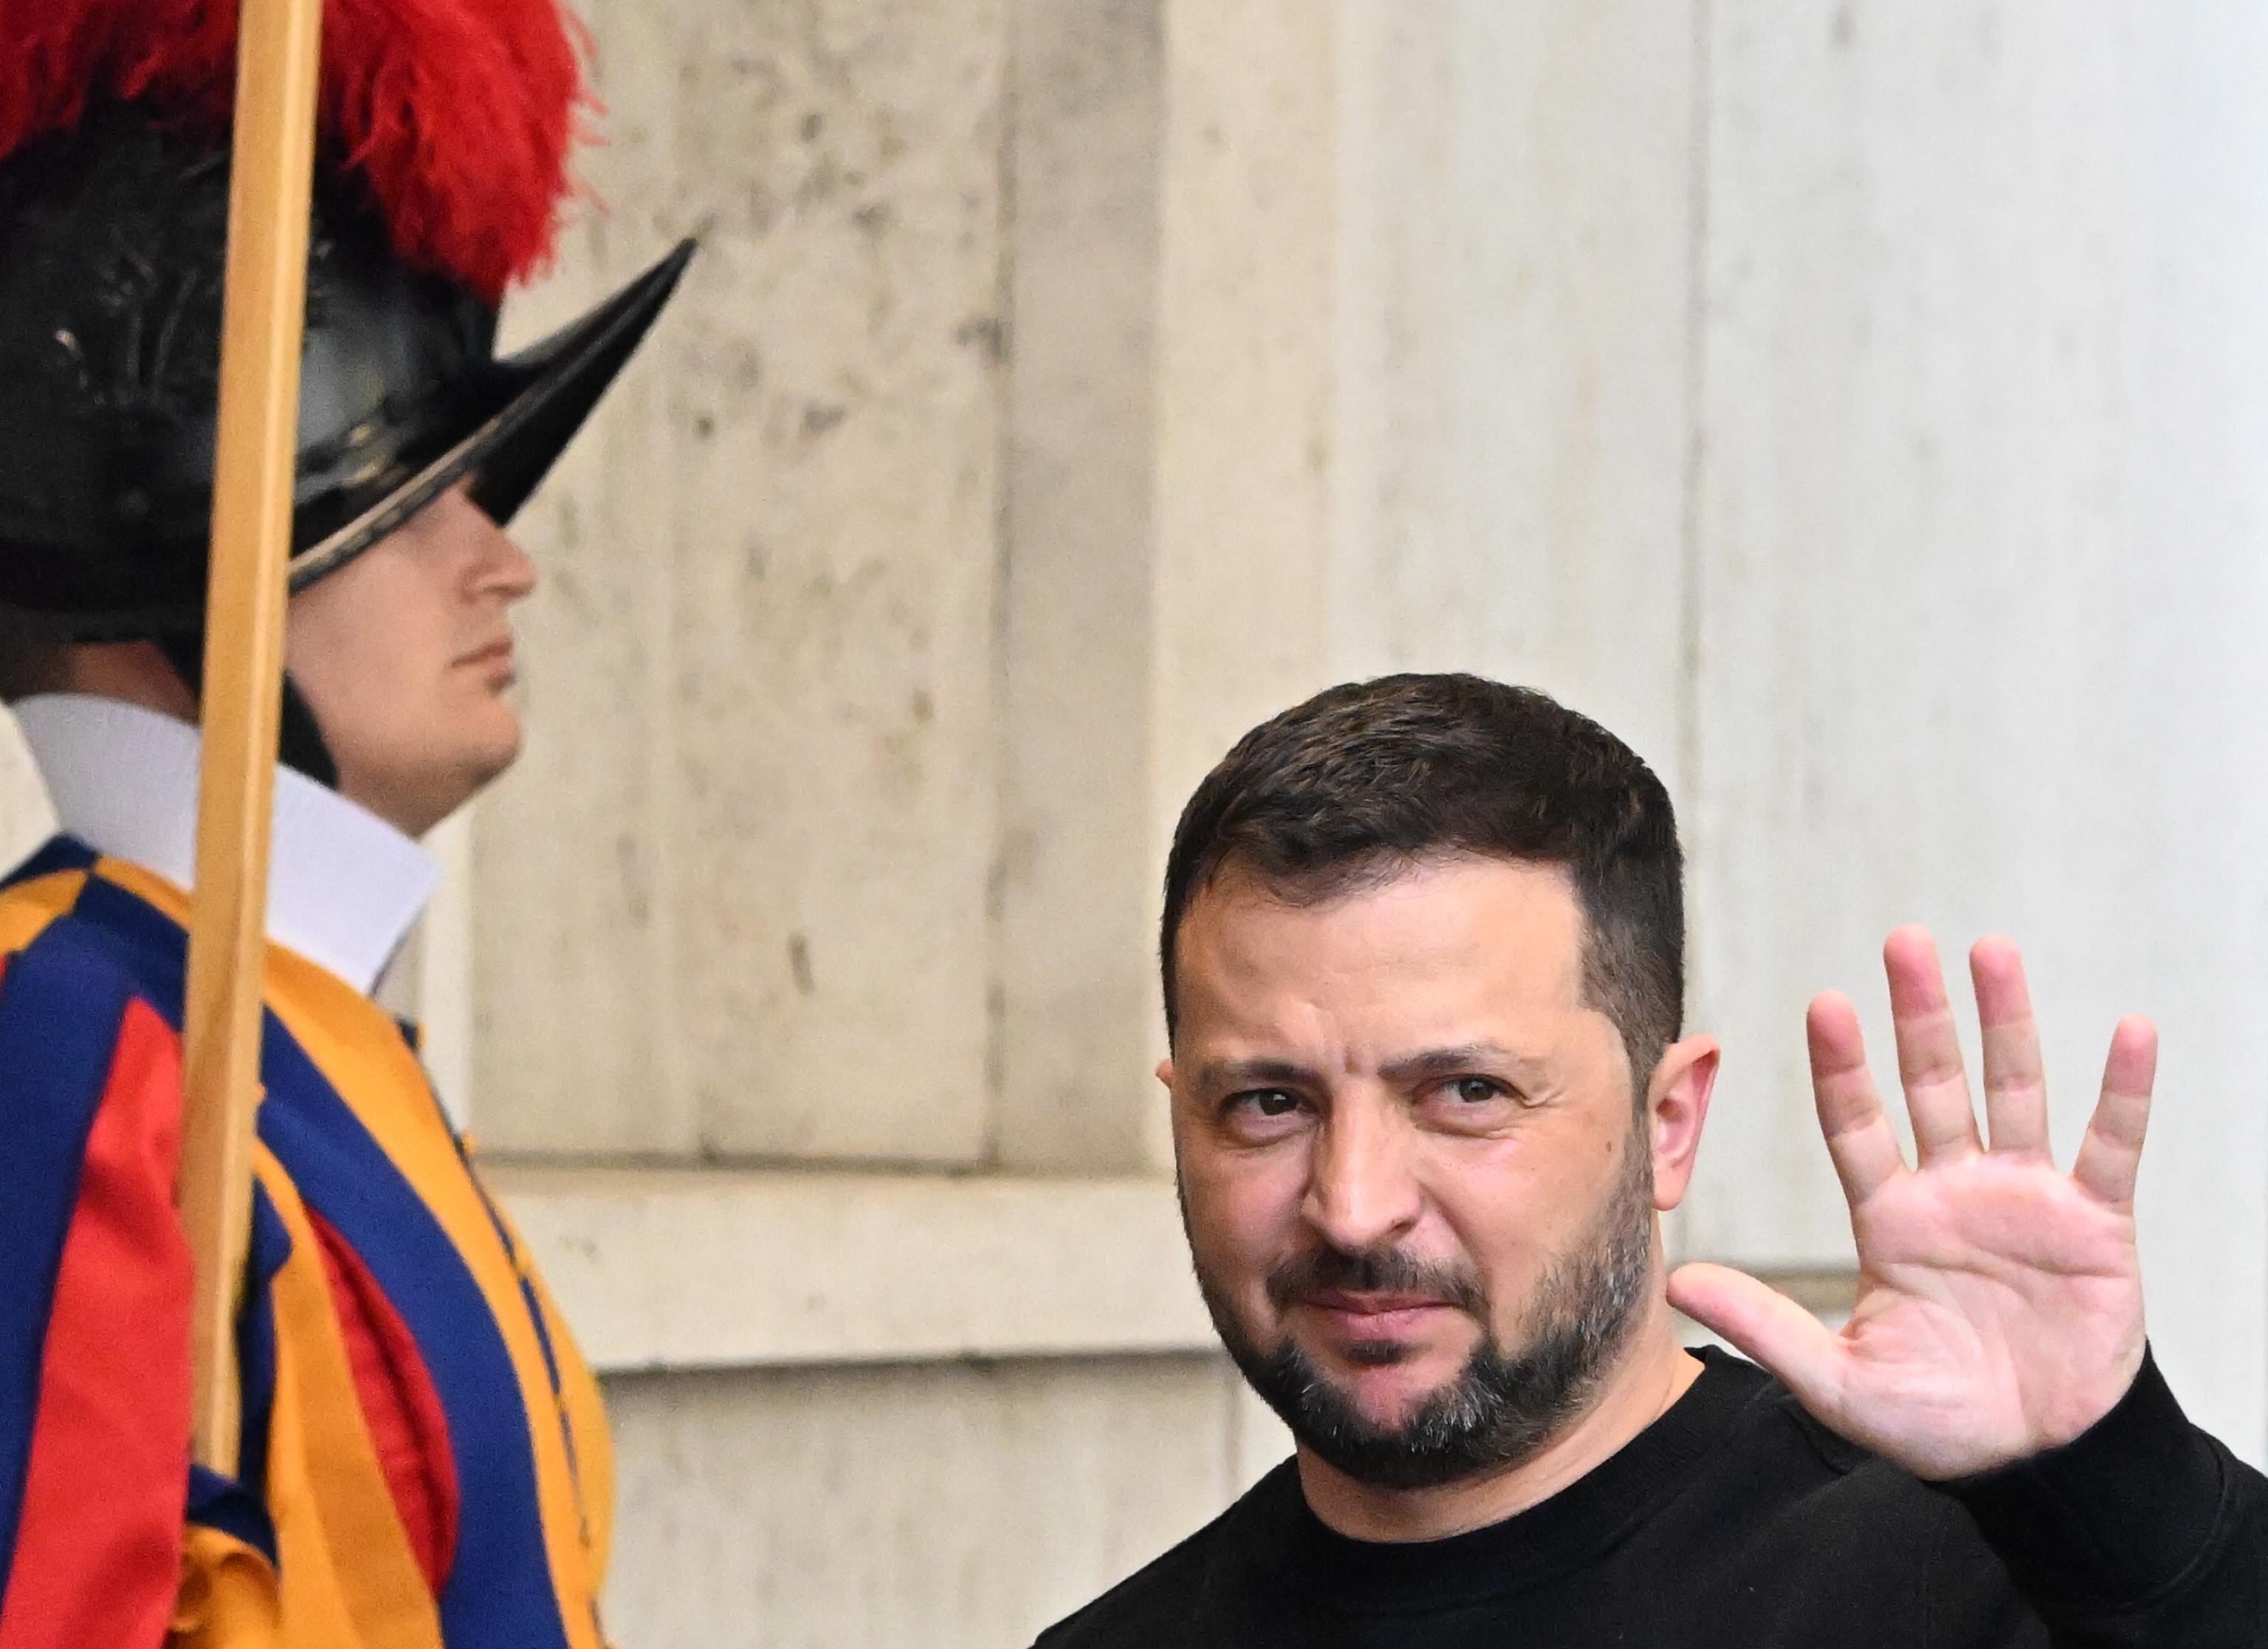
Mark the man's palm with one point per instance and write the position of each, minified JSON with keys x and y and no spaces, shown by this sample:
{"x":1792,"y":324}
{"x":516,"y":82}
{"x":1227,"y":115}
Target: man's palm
{"x":1999,"y":1310}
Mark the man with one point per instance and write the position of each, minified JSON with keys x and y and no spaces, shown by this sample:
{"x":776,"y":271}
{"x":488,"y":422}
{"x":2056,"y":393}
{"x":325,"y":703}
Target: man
{"x":426,"y":1459}
{"x":1422,"y":952}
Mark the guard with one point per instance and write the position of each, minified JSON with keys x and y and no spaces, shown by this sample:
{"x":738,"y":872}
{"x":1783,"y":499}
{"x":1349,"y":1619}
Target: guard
{"x":425,"y":1459}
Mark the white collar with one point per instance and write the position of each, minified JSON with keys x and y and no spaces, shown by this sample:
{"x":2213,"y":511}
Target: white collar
{"x":343,"y":885}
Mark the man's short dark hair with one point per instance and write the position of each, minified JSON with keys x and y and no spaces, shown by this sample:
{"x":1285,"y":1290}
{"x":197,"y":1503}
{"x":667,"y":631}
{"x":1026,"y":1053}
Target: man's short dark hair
{"x":1365,"y":780}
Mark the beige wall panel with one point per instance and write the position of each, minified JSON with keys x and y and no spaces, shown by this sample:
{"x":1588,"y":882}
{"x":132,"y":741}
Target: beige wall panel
{"x":577,"y":1040}
{"x":1246,"y":375}
{"x":834,"y":657}
{"x":1399,"y":327}
{"x":777,"y":767}
{"x":1982,"y":585}
{"x":1075,"y":873}
{"x":954,"y":1507}
{"x":1516,"y":256}
{"x":575,"y":1011}
{"x":25,"y":819}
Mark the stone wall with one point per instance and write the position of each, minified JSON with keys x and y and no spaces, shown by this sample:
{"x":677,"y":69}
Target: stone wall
{"x":1861,"y":410}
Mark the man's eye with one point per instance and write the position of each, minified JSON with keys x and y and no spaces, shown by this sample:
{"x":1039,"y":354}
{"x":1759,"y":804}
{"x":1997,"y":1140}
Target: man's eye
{"x":1476,"y":1090}
{"x":1267,"y":1102}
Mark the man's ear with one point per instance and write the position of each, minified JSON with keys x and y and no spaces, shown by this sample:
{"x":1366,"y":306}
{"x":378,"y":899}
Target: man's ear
{"x":1166,"y":1072}
{"x":1676,"y":1106}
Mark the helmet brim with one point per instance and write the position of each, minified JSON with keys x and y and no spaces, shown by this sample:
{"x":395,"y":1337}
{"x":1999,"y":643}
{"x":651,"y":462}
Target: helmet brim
{"x":506,"y":438}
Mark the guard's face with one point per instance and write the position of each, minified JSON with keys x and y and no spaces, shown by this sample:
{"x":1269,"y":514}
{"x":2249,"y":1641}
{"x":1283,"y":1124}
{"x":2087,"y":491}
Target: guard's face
{"x":1412,"y":1173}
{"x":405,"y":655}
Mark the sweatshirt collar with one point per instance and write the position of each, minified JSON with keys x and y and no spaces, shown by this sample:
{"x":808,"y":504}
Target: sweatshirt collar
{"x":1565,"y":1533}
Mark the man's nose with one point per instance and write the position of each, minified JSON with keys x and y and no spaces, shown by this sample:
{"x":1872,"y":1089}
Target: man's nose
{"x":515,"y":575}
{"x":505,"y":570}
{"x":1362,"y":1192}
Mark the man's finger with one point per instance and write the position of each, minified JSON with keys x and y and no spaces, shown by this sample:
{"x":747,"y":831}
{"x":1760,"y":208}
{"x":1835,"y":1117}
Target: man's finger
{"x":1860,"y":1138}
{"x":2111,"y":1154}
{"x":2016,"y":1084}
{"x":1929,"y":1048}
{"x":1769,"y":1329}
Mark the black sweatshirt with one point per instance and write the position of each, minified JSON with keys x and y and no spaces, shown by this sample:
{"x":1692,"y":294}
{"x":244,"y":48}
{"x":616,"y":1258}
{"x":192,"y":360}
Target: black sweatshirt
{"x":1737,"y":1520}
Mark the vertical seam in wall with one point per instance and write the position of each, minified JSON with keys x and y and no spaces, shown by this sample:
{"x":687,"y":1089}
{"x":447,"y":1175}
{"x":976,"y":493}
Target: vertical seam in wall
{"x":1150,"y":1020}
{"x":1349,"y":489}
{"x":1690,"y":594}
{"x":1351,"y":444}
{"x":1004,"y":559}
{"x":666,"y":637}
{"x":1145,"y":1138}
{"x":1696,"y":362}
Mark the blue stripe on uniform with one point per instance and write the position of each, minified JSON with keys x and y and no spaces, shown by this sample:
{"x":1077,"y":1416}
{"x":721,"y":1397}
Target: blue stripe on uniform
{"x":62,"y":1000}
{"x":256,"y":1334}
{"x":224,"y":1503}
{"x":60,"y":853}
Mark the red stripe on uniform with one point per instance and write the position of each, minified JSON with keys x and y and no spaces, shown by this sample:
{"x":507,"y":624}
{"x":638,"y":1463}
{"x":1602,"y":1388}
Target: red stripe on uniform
{"x":98,"y":1559}
{"x":400,"y":1405}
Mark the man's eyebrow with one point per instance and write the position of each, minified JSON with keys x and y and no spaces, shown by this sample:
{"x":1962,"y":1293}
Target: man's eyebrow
{"x":1453,"y":1061}
{"x":1242,"y":1073}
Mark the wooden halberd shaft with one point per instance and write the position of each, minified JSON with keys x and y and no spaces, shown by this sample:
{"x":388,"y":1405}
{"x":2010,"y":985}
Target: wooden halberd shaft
{"x":269,"y":206}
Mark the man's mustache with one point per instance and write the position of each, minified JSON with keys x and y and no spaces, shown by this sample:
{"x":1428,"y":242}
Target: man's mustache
{"x":1374,"y":1271}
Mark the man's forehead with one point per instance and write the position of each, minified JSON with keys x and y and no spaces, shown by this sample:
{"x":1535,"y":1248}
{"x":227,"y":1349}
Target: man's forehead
{"x":1436,"y":939}
{"x":1449,"y":896}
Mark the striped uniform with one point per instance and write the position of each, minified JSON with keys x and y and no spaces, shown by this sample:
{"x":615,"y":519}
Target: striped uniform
{"x":425,"y":1456}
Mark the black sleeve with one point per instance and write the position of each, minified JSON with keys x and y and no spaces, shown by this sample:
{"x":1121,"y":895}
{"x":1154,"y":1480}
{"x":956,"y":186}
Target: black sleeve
{"x":2144,"y":1531}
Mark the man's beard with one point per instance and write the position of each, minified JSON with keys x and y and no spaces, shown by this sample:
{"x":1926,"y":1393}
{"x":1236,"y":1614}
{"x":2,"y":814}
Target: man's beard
{"x":1503,"y":1405}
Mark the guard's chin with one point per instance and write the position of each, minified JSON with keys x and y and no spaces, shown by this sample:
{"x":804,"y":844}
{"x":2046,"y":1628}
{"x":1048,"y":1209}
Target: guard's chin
{"x":491,"y":754}
{"x":493,"y":766}
{"x":476,"y":763}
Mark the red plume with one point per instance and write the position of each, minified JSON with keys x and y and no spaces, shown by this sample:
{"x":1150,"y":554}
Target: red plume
{"x":458,"y":114}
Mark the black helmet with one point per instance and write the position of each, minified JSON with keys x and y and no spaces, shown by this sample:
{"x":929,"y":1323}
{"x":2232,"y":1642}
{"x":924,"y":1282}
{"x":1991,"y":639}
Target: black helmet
{"x":112,"y":232}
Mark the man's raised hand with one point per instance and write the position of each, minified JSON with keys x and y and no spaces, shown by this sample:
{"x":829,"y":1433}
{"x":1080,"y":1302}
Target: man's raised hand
{"x":1999,"y":1307}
